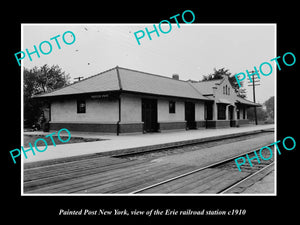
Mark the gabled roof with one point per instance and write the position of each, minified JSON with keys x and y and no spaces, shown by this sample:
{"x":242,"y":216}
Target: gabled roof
{"x":206,"y":87}
{"x":105,"y":81}
{"x":132,"y":80}
{"x":246,"y":102}
{"x":122,"y":79}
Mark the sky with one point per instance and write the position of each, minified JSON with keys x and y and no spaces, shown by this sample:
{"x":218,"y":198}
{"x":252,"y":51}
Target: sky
{"x":193,"y":50}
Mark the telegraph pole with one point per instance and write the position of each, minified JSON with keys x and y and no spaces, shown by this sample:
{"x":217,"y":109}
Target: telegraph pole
{"x":255,"y":82}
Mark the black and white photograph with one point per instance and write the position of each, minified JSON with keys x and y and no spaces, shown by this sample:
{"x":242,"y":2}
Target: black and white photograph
{"x":140,"y":115}
{"x":108,"y":111}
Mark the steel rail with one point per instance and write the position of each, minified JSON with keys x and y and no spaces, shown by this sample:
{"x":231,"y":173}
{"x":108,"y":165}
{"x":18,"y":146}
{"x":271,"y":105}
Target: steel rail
{"x":197,"y":170}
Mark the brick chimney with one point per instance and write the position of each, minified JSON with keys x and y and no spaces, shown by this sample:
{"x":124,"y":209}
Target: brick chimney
{"x":175,"y":76}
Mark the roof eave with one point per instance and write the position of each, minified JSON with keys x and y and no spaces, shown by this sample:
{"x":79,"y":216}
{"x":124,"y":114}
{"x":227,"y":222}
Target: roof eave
{"x":74,"y":95}
{"x":169,"y":96}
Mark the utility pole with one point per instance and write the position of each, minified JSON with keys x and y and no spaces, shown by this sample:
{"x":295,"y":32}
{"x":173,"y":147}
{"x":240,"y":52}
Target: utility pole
{"x":78,"y":78}
{"x":255,"y":82}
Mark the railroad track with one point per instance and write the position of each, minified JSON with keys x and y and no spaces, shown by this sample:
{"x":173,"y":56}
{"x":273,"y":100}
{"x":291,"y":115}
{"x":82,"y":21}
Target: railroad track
{"x":217,"y":178}
{"x":199,"y":143}
{"x":108,"y":175}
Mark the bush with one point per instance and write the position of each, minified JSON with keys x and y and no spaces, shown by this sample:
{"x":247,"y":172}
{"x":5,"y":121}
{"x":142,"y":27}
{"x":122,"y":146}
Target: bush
{"x":46,"y":127}
{"x":269,"y":121}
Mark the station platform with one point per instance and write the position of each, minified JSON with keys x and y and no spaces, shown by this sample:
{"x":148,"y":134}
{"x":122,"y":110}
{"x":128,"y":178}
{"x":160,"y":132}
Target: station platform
{"x":114,"y":145}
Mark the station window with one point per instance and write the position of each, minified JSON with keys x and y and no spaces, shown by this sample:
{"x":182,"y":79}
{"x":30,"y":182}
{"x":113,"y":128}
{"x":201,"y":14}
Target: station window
{"x":228,"y":90}
{"x":171,"y":107}
{"x":80,"y":106}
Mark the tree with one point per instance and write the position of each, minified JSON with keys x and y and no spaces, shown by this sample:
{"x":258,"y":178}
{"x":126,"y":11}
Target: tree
{"x":260,"y":112}
{"x":37,"y":81}
{"x":270,"y":107}
{"x":266,"y":115}
{"x":218,"y":74}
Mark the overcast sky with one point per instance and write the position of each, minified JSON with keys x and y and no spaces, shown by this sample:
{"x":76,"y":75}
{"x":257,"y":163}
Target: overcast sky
{"x":193,"y":50}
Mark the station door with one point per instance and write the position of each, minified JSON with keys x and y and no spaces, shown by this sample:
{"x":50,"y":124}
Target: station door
{"x":190,"y":115}
{"x":149,"y":115}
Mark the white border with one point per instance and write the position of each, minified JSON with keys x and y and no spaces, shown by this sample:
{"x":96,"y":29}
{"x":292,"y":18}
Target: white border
{"x":22,"y":114}
{"x":140,"y":24}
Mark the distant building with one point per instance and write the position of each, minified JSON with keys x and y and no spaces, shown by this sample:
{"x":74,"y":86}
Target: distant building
{"x":122,"y":100}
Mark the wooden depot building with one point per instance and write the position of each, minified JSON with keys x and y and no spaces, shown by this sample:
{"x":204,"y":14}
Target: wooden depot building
{"x":121,"y":100}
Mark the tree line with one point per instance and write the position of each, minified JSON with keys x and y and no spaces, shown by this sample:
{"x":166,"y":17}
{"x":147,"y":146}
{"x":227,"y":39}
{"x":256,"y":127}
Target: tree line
{"x":37,"y":81}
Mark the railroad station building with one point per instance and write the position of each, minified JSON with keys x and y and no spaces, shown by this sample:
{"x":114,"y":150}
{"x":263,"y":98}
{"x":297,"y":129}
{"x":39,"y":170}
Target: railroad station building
{"x":121,"y":100}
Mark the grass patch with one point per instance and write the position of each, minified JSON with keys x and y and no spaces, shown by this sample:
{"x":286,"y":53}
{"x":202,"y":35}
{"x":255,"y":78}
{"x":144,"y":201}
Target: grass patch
{"x":32,"y":138}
